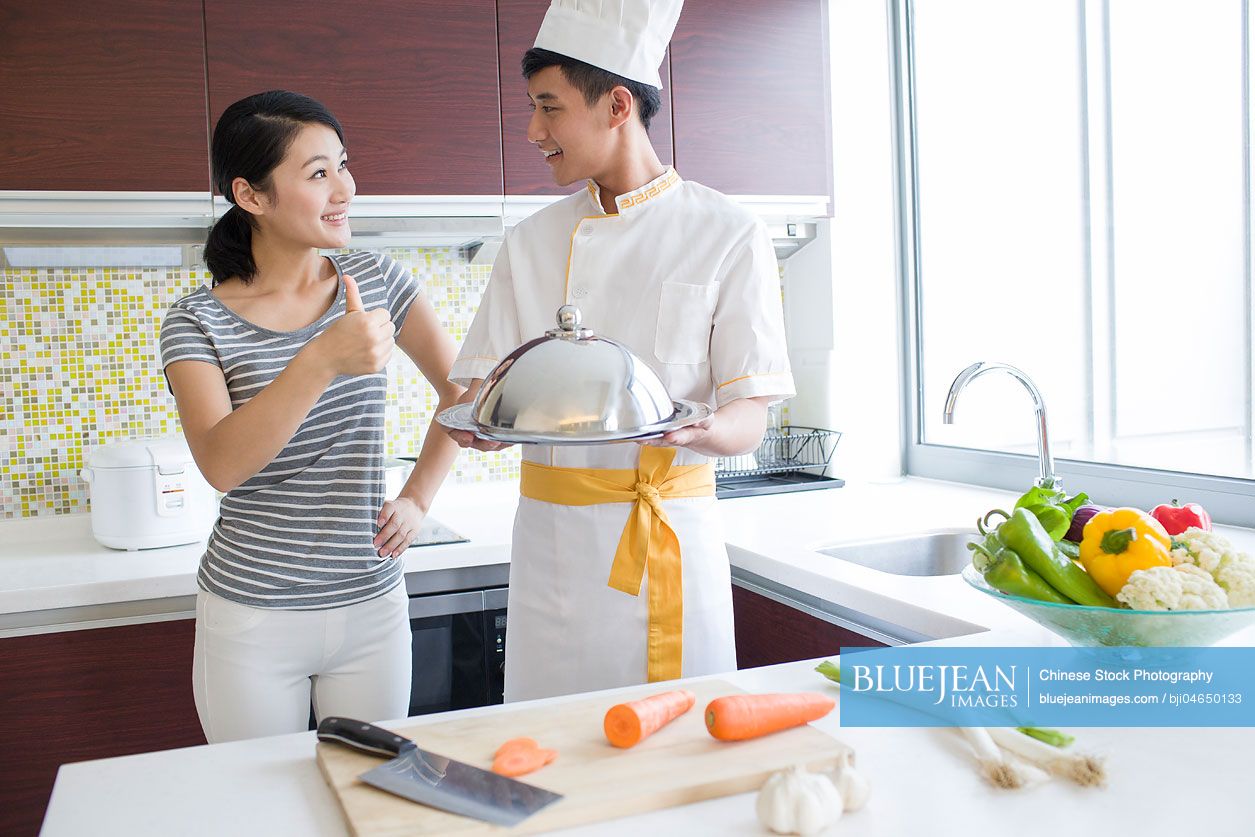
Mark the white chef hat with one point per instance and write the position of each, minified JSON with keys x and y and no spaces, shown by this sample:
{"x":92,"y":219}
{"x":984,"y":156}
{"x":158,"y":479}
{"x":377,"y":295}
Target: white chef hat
{"x":625,"y":37}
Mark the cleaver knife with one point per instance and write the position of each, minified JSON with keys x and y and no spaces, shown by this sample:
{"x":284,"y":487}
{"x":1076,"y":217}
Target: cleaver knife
{"x":437,"y":781}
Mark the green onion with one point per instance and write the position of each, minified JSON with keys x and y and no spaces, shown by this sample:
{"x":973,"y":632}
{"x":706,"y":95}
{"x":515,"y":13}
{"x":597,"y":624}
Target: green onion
{"x":1053,"y":737}
{"x":830,"y":670}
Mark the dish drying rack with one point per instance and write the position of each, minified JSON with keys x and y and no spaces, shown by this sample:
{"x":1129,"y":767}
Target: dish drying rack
{"x":790,"y":458}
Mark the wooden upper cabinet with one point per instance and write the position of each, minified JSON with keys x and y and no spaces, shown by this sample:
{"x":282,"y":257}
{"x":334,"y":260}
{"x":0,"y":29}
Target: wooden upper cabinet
{"x":749,"y":85}
{"x":526,"y":173}
{"x":112,"y":95}
{"x":108,"y":95}
{"x":413,"y":82}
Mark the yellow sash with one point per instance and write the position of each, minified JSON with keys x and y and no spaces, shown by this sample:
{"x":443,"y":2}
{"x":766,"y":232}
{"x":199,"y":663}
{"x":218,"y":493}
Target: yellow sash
{"x":647,"y":542}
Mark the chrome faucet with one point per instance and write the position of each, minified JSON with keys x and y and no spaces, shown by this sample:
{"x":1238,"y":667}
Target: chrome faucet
{"x":1046,"y":465}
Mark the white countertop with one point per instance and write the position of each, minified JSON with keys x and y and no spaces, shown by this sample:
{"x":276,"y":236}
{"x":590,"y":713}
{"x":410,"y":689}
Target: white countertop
{"x":53,"y":575}
{"x":1162,"y":782}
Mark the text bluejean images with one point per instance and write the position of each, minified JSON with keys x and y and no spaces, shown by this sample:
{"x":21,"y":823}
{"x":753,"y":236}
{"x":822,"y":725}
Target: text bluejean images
{"x":1079,"y":687}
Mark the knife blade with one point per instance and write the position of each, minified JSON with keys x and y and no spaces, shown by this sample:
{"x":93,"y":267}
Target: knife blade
{"x":437,"y":781}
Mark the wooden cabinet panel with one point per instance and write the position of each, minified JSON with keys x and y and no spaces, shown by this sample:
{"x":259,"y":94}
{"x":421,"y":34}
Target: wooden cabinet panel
{"x":768,"y":632}
{"x":749,"y":85}
{"x":112,"y":95}
{"x":413,"y":82}
{"x":82,"y":695}
{"x":525,"y":171}
{"x":108,"y":95}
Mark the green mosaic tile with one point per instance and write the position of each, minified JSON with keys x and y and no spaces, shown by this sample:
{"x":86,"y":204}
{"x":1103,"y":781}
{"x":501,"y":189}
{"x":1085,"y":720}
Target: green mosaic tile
{"x":80,"y":368}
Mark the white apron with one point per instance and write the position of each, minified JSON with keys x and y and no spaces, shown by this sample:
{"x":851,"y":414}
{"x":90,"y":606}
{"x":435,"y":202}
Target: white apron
{"x":578,"y":633}
{"x":688,"y":281}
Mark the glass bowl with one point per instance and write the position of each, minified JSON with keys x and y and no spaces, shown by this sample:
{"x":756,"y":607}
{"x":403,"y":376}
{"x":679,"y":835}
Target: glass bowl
{"x":1087,"y":626}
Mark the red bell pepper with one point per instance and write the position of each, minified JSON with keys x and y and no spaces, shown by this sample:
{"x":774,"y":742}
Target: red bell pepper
{"x":1176,"y":518}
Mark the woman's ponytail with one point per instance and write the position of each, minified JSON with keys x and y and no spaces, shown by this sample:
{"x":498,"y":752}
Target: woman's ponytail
{"x":229,"y":248}
{"x":249,"y":142}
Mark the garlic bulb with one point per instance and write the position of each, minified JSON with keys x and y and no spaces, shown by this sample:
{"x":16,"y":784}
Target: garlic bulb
{"x":851,"y":784}
{"x":794,"y":801}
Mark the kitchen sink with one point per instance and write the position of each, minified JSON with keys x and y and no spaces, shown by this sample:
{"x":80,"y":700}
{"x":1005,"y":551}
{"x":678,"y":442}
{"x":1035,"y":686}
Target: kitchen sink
{"x":939,"y":552}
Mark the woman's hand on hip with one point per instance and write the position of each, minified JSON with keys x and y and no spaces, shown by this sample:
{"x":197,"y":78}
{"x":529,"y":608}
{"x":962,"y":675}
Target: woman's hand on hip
{"x":399,"y":521}
{"x":359,"y":342}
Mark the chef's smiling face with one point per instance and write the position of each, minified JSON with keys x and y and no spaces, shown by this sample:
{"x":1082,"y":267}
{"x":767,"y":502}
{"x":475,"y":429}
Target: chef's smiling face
{"x":574,"y":137}
{"x":308,"y":196}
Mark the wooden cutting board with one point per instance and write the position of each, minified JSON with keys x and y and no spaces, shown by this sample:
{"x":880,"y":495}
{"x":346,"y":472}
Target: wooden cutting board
{"x":677,"y":765}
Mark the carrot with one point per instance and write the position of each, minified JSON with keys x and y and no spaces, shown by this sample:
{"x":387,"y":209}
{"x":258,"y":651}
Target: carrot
{"x":514,"y":743}
{"x":630,"y":723}
{"x":737,"y":717}
{"x":520,"y":756}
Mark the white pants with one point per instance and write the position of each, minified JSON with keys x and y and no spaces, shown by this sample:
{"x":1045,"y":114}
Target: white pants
{"x":253,"y":668}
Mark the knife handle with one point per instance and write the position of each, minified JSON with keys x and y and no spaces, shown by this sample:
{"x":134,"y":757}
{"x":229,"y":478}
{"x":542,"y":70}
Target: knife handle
{"x":362,"y":736}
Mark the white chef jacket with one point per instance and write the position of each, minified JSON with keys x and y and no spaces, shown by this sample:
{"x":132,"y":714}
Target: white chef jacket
{"x":688,"y":281}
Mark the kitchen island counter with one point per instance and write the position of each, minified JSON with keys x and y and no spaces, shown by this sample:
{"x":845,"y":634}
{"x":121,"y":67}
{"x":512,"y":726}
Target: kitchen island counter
{"x":923,"y":781}
{"x":1162,"y":781}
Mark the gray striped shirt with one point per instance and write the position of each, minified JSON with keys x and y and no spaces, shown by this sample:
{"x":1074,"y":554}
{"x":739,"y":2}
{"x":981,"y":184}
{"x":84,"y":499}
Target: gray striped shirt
{"x":298,"y":534}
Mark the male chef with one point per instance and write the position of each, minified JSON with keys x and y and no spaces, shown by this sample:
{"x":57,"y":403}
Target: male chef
{"x":618,"y":573}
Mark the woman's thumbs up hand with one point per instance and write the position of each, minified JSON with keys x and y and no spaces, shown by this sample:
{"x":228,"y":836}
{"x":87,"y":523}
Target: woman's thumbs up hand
{"x":359,"y":342}
{"x":352,"y":296}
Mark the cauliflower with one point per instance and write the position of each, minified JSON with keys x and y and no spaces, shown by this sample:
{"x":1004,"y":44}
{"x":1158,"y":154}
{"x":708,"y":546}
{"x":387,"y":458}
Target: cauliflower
{"x":1233,"y":571}
{"x":1182,"y":587}
{"x":1200,"y":548}
{"x":1237,"y":576}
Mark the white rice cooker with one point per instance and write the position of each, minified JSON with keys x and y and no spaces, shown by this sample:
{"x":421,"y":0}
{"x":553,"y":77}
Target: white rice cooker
{"x":148,"y":493}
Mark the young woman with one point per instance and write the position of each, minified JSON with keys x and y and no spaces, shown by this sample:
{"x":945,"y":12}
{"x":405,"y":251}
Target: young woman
{"x":278,"y":372}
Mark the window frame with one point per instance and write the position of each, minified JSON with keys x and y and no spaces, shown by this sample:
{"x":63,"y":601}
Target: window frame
{"x":1230,"y":500}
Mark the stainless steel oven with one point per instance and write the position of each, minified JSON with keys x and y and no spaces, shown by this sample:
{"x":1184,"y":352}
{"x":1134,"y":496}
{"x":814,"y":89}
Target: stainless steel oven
{"x":458,"y":625}
{"x":458,"y":650}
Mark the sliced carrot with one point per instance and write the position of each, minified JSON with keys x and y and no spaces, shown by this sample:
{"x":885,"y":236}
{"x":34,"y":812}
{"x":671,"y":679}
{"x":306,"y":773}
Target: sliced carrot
{"x":630,"y":723}
{"x":737,"y":717}
{"x":520,"y":756}
{"x":515,"y":742}
{"x":521,"y":761}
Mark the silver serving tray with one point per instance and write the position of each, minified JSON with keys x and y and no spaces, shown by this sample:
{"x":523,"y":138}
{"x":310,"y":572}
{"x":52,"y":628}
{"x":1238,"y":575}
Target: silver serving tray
{"x":686,"y":413}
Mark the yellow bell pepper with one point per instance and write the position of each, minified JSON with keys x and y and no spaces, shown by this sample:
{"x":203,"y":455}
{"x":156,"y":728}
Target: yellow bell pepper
{"x":1118,"y":541}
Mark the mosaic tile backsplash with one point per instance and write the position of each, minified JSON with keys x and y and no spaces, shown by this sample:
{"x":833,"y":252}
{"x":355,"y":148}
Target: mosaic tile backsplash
{"x":79,"y":367}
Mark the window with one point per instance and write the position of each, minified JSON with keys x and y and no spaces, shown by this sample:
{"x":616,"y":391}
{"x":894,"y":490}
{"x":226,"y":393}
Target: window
{"x":1076,"y":178}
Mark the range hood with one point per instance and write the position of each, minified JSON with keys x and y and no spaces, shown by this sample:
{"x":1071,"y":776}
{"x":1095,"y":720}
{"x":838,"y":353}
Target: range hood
{"x":167,"y":229}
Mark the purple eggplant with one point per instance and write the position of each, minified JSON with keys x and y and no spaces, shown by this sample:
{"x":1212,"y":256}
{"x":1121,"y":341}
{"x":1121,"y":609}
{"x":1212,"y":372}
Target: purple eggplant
{"x":1079,"y":518}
